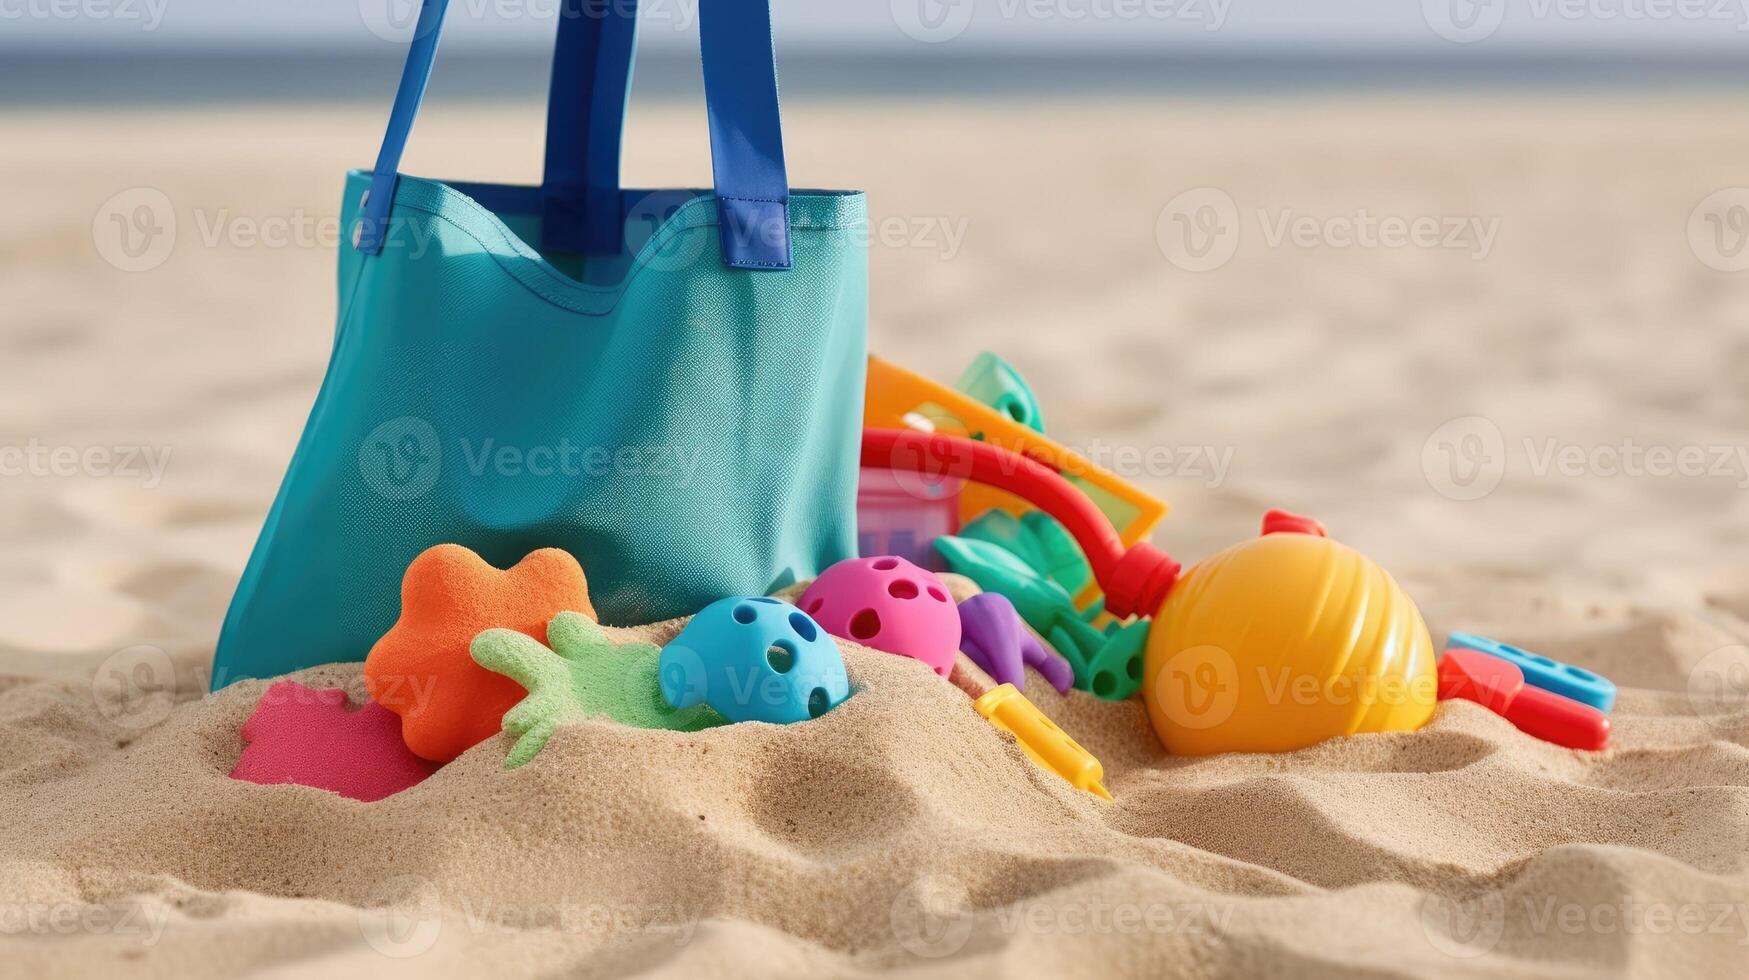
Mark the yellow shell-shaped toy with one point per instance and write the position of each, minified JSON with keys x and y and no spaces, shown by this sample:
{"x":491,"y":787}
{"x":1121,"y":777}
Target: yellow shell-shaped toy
{"x":1283,"y":641}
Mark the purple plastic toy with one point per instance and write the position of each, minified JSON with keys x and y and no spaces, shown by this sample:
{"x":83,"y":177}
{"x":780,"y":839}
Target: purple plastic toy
{"x":889,"y":604}
{"x":997,"y":641}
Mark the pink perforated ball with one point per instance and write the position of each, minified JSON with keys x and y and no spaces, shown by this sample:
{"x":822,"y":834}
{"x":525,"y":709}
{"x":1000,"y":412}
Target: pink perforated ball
{"x":889,"y":604}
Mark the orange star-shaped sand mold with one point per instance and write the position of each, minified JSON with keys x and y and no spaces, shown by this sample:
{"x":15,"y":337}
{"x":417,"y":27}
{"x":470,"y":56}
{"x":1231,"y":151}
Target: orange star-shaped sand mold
{"x":421,"y":669}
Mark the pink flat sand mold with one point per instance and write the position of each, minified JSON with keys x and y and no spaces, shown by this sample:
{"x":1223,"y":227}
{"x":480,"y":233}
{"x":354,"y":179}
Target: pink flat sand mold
{"x":307,"y":737}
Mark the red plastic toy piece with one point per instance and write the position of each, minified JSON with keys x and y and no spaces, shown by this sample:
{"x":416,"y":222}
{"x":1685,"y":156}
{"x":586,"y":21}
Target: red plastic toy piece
{"x":307,"y":737}
{"x":1135,"y":579}
{"x":1498,"y":685}
{"x":1287,"y":522}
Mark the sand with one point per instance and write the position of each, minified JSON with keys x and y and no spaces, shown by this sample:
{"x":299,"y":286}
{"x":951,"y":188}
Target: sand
{"x":901,"y":832}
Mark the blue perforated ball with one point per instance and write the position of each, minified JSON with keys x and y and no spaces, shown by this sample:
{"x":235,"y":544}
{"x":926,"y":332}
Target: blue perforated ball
{"x":754,"y":659}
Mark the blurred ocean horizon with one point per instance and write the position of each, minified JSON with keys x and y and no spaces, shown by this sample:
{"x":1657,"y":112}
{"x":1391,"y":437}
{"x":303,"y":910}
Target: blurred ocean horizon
{"x":51,"y":77}
{"x":61,"y":52}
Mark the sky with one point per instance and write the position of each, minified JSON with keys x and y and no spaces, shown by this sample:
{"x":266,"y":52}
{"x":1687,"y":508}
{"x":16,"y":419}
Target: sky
{"x":887,"y":25}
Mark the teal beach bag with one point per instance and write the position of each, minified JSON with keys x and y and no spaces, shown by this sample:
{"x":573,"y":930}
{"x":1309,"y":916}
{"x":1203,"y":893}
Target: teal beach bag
{"x":666,"y":384}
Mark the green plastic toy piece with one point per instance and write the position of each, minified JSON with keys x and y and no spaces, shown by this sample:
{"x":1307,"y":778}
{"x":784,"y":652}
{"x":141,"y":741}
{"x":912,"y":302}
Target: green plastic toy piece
{"x":585,"y":675}
{"x":1045,"y":606}
{"x":1062,"y":557}
{"x":1040,"y":541}
{"x":1116,"y":669}
{"x":997,"y":384}
{"x":1004,"y":530}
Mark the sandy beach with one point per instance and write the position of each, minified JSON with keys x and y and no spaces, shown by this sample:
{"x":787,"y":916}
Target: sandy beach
{"x":1496,"y":342}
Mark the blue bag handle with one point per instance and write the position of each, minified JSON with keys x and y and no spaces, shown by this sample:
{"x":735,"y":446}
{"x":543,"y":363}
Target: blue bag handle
{"x":591,"y":78}
{"x":581,"y":209}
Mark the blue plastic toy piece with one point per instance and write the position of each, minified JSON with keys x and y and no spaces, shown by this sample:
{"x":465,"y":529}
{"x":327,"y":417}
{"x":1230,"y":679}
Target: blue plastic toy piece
{"x":754,"y":659}
{"x":1573,"y":683}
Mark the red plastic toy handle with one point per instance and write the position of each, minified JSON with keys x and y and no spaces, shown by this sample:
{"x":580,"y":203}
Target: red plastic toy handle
{"x":1135,"y":579}
{"x":1556,"y":719}
{"x":1499,"y":686}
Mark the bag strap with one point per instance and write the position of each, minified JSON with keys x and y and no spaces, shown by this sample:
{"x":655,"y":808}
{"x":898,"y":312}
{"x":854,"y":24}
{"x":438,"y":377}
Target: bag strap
{"x":587,"y":116}
{"x":372,"y":228}
{"x":752,"y":184}
{"x":581,"y":209}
